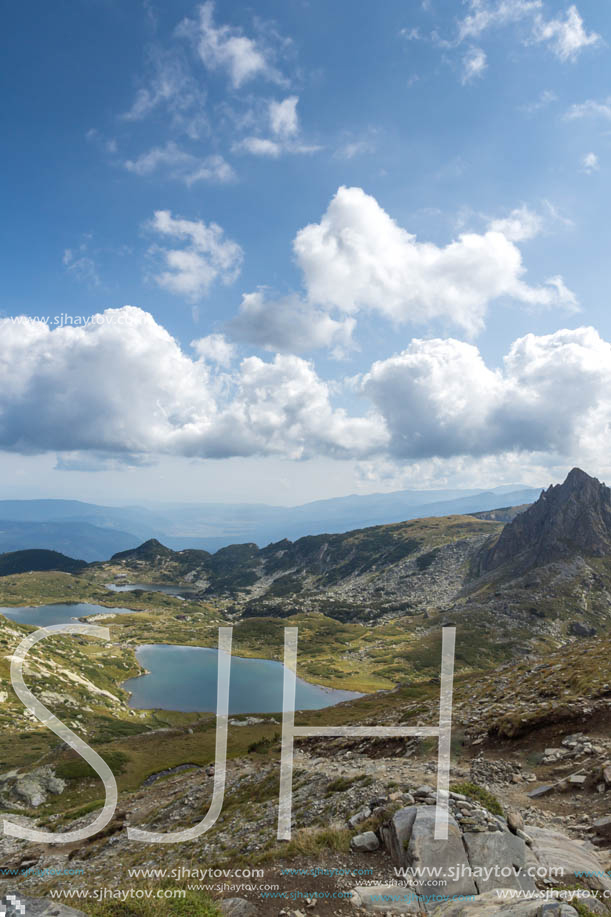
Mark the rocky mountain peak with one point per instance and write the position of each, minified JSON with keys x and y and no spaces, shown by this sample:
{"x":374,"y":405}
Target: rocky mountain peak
{"x":150,"y":550}
{"x":569,"y":518}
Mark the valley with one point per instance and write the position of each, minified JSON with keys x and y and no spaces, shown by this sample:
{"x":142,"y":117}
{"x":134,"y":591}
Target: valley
{"x":528,"y":593}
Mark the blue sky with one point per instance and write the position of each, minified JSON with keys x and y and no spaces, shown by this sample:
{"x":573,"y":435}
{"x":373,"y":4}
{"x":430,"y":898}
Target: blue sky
{"x":365,"y":246}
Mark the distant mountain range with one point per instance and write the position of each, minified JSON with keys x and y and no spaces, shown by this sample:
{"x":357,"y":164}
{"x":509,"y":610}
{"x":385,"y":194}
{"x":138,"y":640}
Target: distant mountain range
{"x":94,"y":532}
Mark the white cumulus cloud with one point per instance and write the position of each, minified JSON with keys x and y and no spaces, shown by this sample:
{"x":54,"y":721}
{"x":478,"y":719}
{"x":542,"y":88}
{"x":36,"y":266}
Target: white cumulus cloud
{"x":439,"y":399}
{"x":215,"y":348}
{"x":358,"y":257}
{"x":122,"y":385}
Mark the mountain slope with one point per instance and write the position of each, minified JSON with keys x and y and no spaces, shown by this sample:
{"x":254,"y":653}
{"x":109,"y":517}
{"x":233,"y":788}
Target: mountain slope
{"x":25,"y":561}
{"x":364,"y":573}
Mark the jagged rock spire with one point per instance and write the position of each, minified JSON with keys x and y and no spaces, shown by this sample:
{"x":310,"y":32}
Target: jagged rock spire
{"x":569,"y":518}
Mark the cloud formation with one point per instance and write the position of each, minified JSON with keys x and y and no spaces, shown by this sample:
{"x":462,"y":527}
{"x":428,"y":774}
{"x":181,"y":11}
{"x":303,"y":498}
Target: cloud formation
{"x":225,"y":48}
{"x":564,"y":35}
{"x":590,"y":163}
{"x":207,"y":255}
{"x":590,"y":109}
{"x":289,"y":325}
{"x":281,"y":120}
{"x":357,"y":257}
{"x":122,"y":386}
{"x":474,"y":64}
{"x":181,"y":165}
{"x":172,"y":88}
{"x":216,"y":349}
{"x":439,"y":399}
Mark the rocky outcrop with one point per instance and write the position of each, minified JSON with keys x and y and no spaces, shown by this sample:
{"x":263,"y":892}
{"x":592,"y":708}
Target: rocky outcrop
{"x":489,"y":905}
{"x":478,"y":867}
{"x":569,"y":518}
{"x":31,"y":790}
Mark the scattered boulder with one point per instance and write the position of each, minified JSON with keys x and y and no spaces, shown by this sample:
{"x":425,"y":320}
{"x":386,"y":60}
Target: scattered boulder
{"x":579,"y":629}
{"x":359,"y":817}
{"x":32,"y":789}
{"x":515,"y":821}
{"x":237,"y":907}
{"x":366,"y":842}
{"x":602,"y":826}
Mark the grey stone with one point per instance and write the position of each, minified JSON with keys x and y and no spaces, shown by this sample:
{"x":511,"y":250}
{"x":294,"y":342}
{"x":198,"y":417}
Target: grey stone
{"x":396,"y":833}
{"x":237,"y":907}
{"x":541,"y":791}
{"x":32,"y":788}
{"x":422,"y":851}
{"x":515,"y":821}
{"x":579,"y":629}
{"x":489,"y":905}
{"x":425,"y":790}
{"x":577,"y":860}
{"x":578,"y":779}
{"x":359,"y":817}
{"x":365,"y":842}
{"x":602,"y":826}
{"x":494,"y":854}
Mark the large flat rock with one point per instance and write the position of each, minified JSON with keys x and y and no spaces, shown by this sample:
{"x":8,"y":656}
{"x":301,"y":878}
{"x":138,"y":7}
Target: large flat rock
{"x":490,"y":904}
{"x":439,"y":866}
{"x":498,"y":860}
{"x":574,"y":860}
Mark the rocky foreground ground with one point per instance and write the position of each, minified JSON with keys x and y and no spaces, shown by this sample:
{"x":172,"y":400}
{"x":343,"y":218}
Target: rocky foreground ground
{"x":358,"y":817}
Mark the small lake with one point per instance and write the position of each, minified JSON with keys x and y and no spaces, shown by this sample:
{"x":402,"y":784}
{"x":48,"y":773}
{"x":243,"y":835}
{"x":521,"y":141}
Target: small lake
{"x":45,"y":615}
{"x":179,"y":591}
{"x":184,"y":678}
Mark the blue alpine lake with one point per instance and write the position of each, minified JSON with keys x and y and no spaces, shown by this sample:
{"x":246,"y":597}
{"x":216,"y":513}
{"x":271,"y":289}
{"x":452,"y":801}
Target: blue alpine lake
{"x":45,"y":615}
{"x":184,"y":678}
